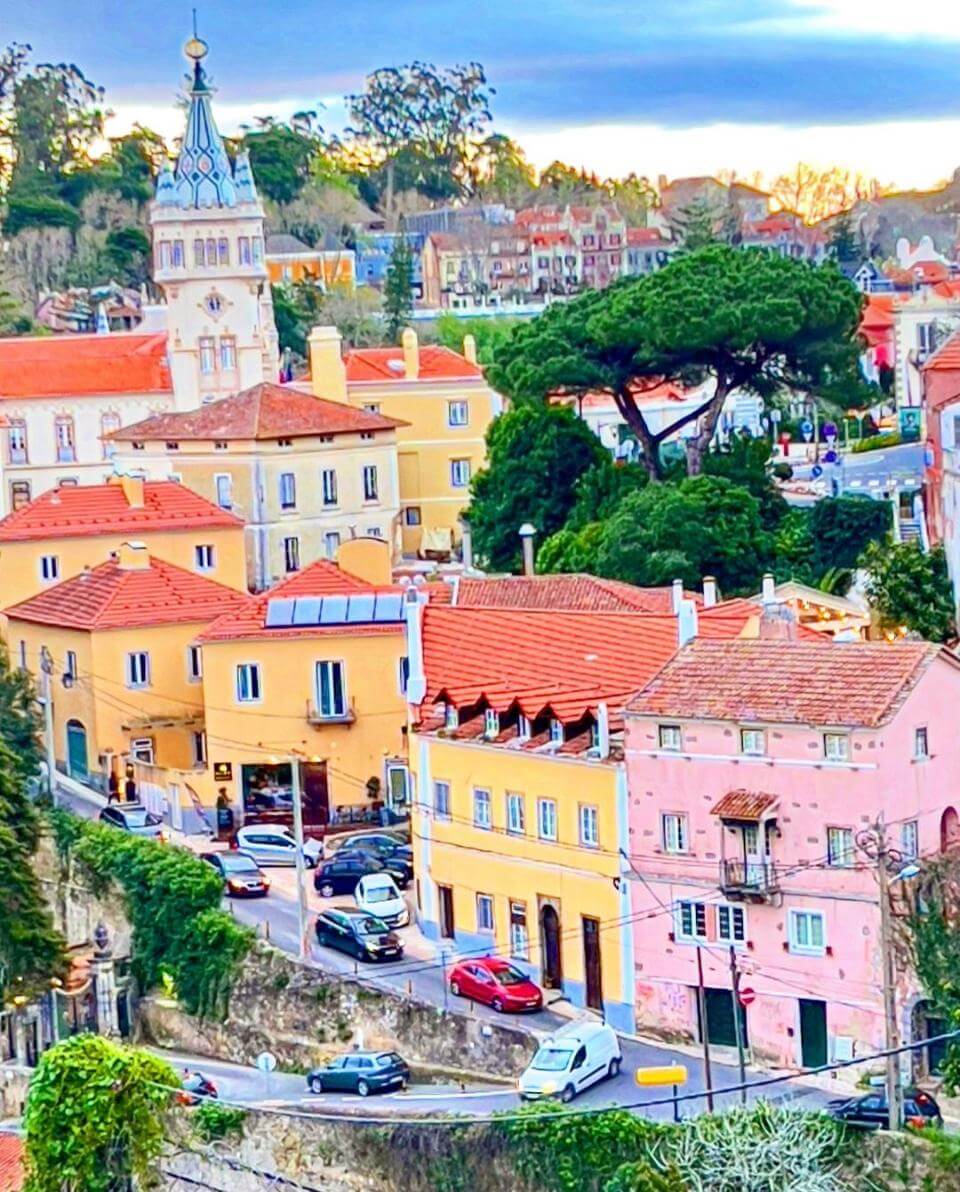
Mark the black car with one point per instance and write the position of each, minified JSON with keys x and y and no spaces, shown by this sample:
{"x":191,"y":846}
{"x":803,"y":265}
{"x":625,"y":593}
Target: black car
{"x":872,"y":1112}
{"x":399,"y":866}
{"x":357,"y":932}
{"x":242,"y":876}
{"x":196,"y":1088}
{"x":362,"y":1072}
{"x":341,"y":875}
{"x":388,"y":841}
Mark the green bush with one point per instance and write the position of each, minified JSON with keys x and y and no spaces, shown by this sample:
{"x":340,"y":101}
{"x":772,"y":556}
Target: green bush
{"x":783,"y":470}
{"x":173,"y":903}
{"x":213,"y":1121}
{"x":890,"y":438}
{"x":39,"y":211}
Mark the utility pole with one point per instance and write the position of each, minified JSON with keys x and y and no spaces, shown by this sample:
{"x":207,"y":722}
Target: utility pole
{"x":737,"y":1025}
{"x":46,"y":697}
{"x":704,"y":1032}
{"x":298,"y":836}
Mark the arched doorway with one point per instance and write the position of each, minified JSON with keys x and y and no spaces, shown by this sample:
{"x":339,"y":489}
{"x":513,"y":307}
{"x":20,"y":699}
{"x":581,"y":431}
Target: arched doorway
{"x":550,"y":950}
{"x":949,"y":830}
{"x":77,"y":751}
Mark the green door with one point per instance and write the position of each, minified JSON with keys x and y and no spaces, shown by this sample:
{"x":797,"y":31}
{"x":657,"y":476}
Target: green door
{"x":77,"y":751}
{"x":813,"y":1033}
{"x":721,"y":1028}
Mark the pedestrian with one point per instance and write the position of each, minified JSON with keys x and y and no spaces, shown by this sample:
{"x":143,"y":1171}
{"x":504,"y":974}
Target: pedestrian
{"x":113,"y":788}
{"x":130,"y":789}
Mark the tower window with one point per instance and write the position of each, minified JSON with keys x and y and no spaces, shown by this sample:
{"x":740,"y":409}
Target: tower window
{"x":198,"y":258}
{"x":243,"y":249}
{"x":211,"y":251}
{"x":228,"y":353}
{"x":223,"y":251}
{"x":207,"y":357}
{"x":177,"y":254}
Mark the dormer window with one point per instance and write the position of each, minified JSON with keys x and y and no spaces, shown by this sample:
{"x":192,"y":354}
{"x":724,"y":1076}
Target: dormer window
{"x":491,"y":723}
{"x":523,"y":728}
{"x":556,"y":732}
{"x":451,"y":718}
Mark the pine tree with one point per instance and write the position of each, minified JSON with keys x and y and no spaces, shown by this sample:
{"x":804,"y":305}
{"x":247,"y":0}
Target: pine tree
{"x":843,"y":241}
{"x":398,"y":288}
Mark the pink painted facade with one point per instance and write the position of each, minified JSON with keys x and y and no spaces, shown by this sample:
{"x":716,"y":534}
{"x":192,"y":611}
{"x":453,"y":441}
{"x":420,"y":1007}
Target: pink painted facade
{"x":803,"y":916}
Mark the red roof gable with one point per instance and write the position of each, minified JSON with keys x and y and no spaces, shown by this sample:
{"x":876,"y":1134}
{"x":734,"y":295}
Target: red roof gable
{"x":115,"y":597}
{"x":84,"y":365}
{"x":11,"y":1163}
{"x":947,"y":357}
{"x":545,"y":239}
{"x":264,"y":411}
{"x":581,"y":593}
{"x":436,"y":364}
{"x":645,"y":236}
{"x":103,"y":509}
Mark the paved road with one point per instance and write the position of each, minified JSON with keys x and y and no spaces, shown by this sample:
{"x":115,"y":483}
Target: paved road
{"x":872,"y":471}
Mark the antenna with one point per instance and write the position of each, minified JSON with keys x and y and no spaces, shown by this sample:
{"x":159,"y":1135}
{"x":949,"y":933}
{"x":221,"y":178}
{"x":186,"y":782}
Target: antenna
{"x":194,"y":11}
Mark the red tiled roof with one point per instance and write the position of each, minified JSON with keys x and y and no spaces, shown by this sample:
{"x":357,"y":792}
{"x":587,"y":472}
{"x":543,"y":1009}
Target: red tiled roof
{"x":536,"y":215}
{"x":582,"y":593}
{"x":878,"y":311}
{"x":436,"y":364}
{"x":855,"y":684}
{"x":93,"y":509}
{"x":927,"y":272}
{"x":947,"y":357}
{"x":115,"y":597}
{"x":264,"y":411}
{"x":641,"y":236}
{"x":11,"y":1163}
{"x":445,"y":241}
{"x":743,"y":805}
{"x":84,"y":365}
{"x":545,"y":239}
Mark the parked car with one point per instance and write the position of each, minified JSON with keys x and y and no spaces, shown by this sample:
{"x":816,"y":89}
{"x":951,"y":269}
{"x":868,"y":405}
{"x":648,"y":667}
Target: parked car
{"x":496,"y":983}
{"x":242,"y":876}
{"x":388,"y":839}
{"x":357,"y":932}
{"x":362,"y":1072}
{"x":341,"y":875}
{"x":377,"y":893}
{"x":571,"y":1060}
{"x":872,"y":1111}
{"x":133,"y":818}
{"x":399,"y":866}
{"x":274,"y":844}
{"x":195,"y":1088}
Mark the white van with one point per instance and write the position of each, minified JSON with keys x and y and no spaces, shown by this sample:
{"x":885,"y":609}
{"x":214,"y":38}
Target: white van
{"x":378,"y":894}
{"x":571,"y":1060}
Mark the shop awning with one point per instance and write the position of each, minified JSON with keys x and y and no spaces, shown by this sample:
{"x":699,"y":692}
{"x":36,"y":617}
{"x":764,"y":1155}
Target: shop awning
{"x":743,"y":805}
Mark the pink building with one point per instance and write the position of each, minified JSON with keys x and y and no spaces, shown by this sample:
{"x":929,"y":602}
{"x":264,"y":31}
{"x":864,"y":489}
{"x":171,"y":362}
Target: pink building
{"x":752,"y":768}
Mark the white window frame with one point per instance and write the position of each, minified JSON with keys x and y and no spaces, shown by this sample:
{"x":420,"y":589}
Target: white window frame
{"x":70,"y":665}
{"x":832,"y":750}
{"x":17,"y":441}
{"x":794,"y":917}
{"x":441,"y":798}
{"x":516,"y":817}
{"x":228,"y":353}
{"x":588,"y":815}
{"x":674,"y":832}
{"x":194,"y":664}
{"x":483,"y":808}
{"x":458,"y":413}
{"x":291,"y":553}
{"x":753,"y":742}
{"x":328,"y":487}
{"x":205,"y":557}
{"x":207,"y":347}
{"x":524,"y":728}
{"x":138,"y":669}
{"x":910,"y":839}
{"x":248,"y":677}
{"x":49,"y":568}
{"x":142,"y":749}
{"x":288,"y":491}
{"x":519,"y":932}
{"x":693,"y":909}
{"x":223,"y":487}
{"x":198,"y":745}
{"x":556,"y":731}
{"x":491,"y":722}
{"x":841,"y":851}
{"x":337,"y":676}
{"x":371,"y":484}
{"x":331,"y":543}
{"x":728,"y":916}
{"x":921,"y":743}
{"x":670,"y":738}
{"x":547,"y":819}
{"x":486,"y":918}
{"x":460,"y":473}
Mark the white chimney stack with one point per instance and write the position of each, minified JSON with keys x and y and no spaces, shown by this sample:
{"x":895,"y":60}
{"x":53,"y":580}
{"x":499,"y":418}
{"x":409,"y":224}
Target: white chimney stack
{"x":709,"y":591}
{"x":416,"y":677}
{"x":686,"y":622}
{"x":769,"y":591}
{"x":603,"y":730}
{"x":466,"y":544}
{"x":527,"y":534}
{"x":677,"y":595}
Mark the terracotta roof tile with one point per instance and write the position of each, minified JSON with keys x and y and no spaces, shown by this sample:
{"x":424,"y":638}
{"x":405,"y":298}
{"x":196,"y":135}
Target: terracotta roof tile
{"x":564,"y":592}
{"x":854,"y":684}
{"x":649,"y":237}
{"x":264,"y":411}
{"x":947,"y":357}
{"x":115,"y":597}
{"x":436,"y":364}
{"x":12,"y":1175}
{"x":93,"y":509}
{"x":743,"y":805}
{"x":82,"y":365}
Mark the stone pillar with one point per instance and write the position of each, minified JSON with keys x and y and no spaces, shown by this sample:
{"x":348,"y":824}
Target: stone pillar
{"x":104,"y":983}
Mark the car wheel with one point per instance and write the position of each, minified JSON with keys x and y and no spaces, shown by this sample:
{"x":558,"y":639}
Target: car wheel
{"x":455,"y":988}
{"x":363,"y":1088}
{"x":614,"y":1069}
{"x":326,"y":890}
{"x":568,"y":1094}
{"x":497,"y":1005}
{"x":316,"y":1084}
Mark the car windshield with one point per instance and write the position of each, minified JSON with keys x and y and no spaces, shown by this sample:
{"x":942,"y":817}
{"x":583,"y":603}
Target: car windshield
{"x":388,"y":1058}
{"x":509,"y":976}
{"x":380,"y":894}
{"x":371,"y":926}
{"x":233,"y":863}
{"x":552,"y":1059}
{"x":139,"y":817}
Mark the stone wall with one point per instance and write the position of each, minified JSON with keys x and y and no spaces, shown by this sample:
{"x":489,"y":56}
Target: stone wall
{"x":76,"y":908}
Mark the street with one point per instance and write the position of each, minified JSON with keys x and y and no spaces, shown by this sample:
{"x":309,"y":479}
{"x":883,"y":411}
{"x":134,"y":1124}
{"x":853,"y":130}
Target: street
{"x":869,"y":472}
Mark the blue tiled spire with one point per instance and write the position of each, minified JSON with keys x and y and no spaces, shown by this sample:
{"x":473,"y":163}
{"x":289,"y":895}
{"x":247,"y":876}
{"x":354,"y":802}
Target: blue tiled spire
{"x":203,"y":175}
{"x":243,"y":179}
{"x":167,"y":195}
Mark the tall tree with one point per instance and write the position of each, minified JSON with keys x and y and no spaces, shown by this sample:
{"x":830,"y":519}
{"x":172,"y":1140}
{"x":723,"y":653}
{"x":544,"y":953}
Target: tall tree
{"x":743,"y":319}
{"x":398,"y":288}
{"x":704,"y":220}
{"x":911,"y":589}
{"x":816,"y":194}
{"x":843,"y":241}
{"x":282,"y":157}
{"x":501,"y":173}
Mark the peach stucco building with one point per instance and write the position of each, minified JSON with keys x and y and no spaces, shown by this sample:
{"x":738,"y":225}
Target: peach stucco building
{"x":752,"y":768}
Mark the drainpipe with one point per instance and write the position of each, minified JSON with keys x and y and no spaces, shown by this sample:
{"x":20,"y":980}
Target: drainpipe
{"x":528,"y":533}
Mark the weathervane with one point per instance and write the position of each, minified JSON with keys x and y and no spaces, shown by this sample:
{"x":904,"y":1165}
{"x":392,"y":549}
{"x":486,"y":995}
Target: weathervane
{"x":196,"y":50}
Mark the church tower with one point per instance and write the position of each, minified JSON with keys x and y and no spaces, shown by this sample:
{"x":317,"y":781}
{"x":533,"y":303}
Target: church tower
{"x":207,"y":225}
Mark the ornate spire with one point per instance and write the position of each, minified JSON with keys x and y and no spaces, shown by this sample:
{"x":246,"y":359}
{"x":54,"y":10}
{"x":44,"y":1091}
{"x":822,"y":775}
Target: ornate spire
{"x":203,"y":176}
{"x":243,"y":179}
{"x":167,"y":195}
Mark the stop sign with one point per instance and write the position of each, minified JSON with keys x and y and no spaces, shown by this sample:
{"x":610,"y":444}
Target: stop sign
{"x":747,"y":996}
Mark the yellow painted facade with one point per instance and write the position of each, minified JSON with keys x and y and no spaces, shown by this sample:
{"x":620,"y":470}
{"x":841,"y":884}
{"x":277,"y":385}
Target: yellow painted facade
{"x":330,"y":267}
{"x":523,"y":873}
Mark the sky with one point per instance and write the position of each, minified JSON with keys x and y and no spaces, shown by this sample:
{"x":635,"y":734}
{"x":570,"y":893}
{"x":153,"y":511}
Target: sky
{"x":659,"y":87}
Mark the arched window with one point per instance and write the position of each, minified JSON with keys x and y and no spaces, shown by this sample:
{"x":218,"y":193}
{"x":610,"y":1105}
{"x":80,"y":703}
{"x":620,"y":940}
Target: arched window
{"x":949,"y":830}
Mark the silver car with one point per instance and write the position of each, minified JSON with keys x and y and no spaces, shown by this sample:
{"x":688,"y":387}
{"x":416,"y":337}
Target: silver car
{"x":274,"y":844}
{"x":133,"y":818}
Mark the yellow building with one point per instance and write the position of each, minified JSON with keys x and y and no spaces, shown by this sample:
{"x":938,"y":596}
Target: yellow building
{"x":305,"y":474}
{"x":290,"y":260}
{"x":445,"y":407}
{"x":126,"y":676}
{"x":313,"y":670}
{"x":68,"y":529}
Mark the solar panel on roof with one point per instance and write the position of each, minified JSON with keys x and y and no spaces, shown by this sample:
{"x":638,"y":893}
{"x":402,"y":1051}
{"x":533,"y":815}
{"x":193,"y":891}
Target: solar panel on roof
{"x":389,"y":607}
{"x":307,"y":611}
{"x":279,"y":613}
{"x":333,"y":610}
{"x":360,"y":609}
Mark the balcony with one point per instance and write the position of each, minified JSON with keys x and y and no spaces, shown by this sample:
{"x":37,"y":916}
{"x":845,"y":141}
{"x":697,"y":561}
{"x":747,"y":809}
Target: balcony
{"x":318,"y":718}
{"x":754,"y":880}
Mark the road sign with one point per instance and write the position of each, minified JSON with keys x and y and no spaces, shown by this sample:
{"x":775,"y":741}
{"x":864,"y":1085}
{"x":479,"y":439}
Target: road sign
{"x":830,"y":431}
{"x":806,"y":429}
{"x":747,"y":996}
{"x":830,"y":457}
{"x":816,"y":471}
{"x":668,"y":1074}
{"x":266,"y":1061}
{"x":775,"y":415}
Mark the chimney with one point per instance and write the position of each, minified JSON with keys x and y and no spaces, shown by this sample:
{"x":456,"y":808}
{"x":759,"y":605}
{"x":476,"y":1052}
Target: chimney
{"x":676,"y":596}
{"x":603,"y":730}
{"x":768,"y":594}
{"x":411,"y":353}
{"x":133,"y":490}
{"x":527,"y":534}
{"x":470,"y":349}
{"x":777,"y":623}
{"x":133,"y":556}
{"x":416,"y":677}
{"x":466,"y":544}
{"x":686,"y":622}
{"x":709,"y":591}
{"x":328,"y":375}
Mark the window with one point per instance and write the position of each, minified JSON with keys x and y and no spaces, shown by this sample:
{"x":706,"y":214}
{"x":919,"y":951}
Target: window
{"x":194,"y":664}
{"x":485,"y":912}
{"x":70,"y":665}
{"x":331,"y":543}
{"x":224,"y":483}
{"x":519,"y":939}
{"x":108,"y":424}
{"x":248,"y":682}
{"x":670,"y":737}
{"x":451,"y":718}
{"x":331,"y":697}
{"x":178,"y":257}
{"x":199,"y":742}
{"x":328,"y":485}
{"x":223,"y":251}
{"x":370,"y":482}
{"x":211,"y":251}
{"x":403,"y":674}
{"x":806,"y":932}
{"x":63,"y":434}
{"x":910,"y":840}
{"x":753,"y":741}
{"x":207,"y":359}
{"x":840,"y":847}
{"x":481,"y":808}
{"x":138,"y":669}
{"x":516,"y":813}
{"x":220,"y":445}
{"x":243,"y":250}
{"x":691,"y":921}
{"x":204,"y":557}
{"x":491,"y":723}
{"x":458,"y":413}
{"x":23,"y":654}
{"x":288,"y":490}
{"x":836,"y":747}
{"x":164,"y":254}
{"x":141,"y":750}
{"x":588,"y":240}
{"x":17,"y":440}
{"x":228,"y":353}
{"x":731,"y":924}
{"x":920,"y":744}
{"x":291,"y":554}
{"x":258,"y":250}
{"x":198,"y":258}
{"x":589,"y":827}
{"x":673,"y":832}
{"x":372,"y":407}
{"x":926,"y":339}
{"x":411,"y":515}
{"x":524,"y":728}
{"x":556,"y":732}
{"x":49,"y":568}
{"x":19,"y":494}
{"x":547,"y":819}
{"x":441,"y":799}
{"x":459,"y":473}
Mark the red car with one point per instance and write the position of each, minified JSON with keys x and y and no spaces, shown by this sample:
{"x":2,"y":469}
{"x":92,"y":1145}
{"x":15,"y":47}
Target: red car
{"x":495,"y":983}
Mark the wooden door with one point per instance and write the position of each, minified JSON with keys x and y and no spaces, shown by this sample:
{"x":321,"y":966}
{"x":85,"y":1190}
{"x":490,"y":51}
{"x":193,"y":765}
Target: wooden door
{"x":445,"y":895}
{"x":593,"y":975}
